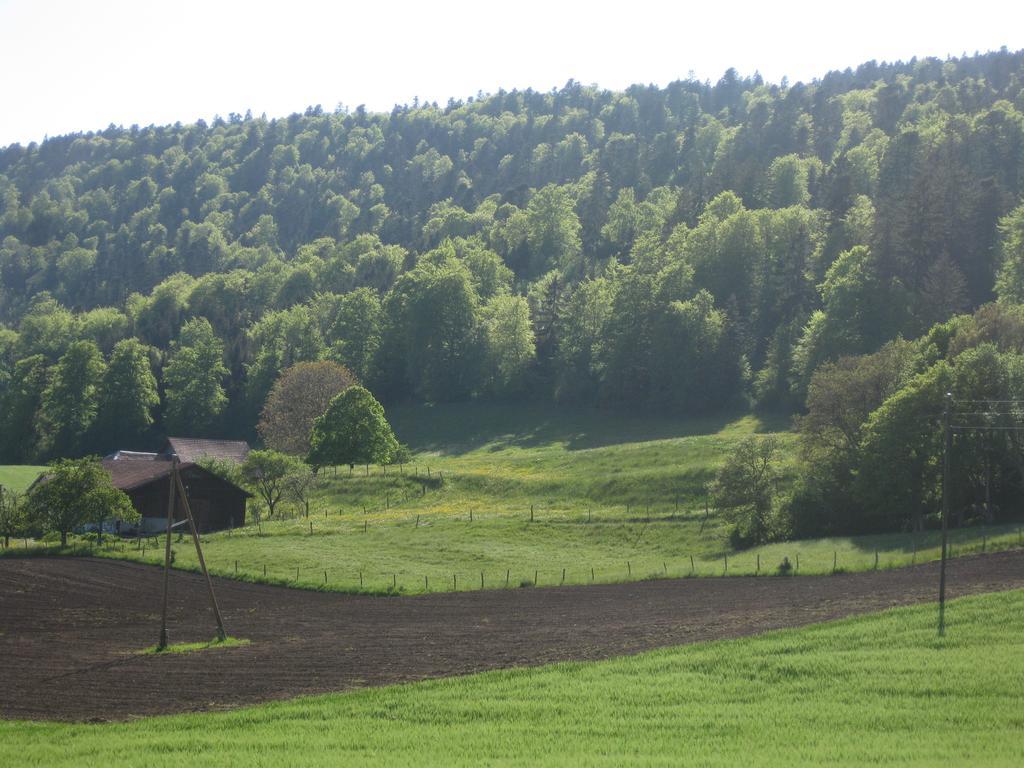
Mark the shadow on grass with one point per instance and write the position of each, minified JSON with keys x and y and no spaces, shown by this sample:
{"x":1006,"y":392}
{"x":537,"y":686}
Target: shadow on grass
{"x":458,"y":428}
{"x":932,"y":538}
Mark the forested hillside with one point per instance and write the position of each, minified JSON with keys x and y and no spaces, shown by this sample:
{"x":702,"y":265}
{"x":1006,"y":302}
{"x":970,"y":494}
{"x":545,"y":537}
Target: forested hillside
{"x":680,"y":248}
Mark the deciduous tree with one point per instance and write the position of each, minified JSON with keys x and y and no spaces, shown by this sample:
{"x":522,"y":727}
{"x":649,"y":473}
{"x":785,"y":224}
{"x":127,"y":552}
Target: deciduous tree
{"x":193,"y":379}
{"x":299,"y":396}
{"x":127,"y":397}
{"x":353,"y":431}
{"x":744,"y":490}
{"x":75,"y":492}
{"x":71,"y":400}
{"x":267,"y":472}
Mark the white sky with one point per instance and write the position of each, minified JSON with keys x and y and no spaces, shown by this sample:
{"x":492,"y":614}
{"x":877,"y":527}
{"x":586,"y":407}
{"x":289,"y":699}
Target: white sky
{"x":76,"y":66}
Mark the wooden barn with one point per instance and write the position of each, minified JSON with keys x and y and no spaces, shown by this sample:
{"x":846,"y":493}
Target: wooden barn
{"x":216,"y":503}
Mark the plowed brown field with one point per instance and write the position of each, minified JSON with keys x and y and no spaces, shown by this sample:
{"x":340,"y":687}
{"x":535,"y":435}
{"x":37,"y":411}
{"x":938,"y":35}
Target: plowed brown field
{"x":69,"y":627}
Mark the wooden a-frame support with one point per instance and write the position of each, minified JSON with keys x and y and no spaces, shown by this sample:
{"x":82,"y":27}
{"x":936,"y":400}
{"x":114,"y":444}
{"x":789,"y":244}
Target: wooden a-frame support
{"x":179,"y":488}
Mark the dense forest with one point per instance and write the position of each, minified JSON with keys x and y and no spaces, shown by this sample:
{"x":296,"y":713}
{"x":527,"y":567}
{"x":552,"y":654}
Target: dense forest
{"x":687,"y":248}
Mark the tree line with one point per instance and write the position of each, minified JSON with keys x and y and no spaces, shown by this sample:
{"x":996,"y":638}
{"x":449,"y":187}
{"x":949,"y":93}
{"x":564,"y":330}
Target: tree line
{"x":682,"y":248}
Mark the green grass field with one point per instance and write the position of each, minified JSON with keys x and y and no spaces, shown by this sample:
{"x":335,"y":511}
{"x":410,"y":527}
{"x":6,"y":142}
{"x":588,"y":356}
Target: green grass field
{"x":612,"y":498}
{"x":877,"y":690}
{"x":18,"y":478}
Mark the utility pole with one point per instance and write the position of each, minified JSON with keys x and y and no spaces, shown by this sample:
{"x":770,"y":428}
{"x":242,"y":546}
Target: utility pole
{"x":947,"y":449}
{"x":221,"y":634}
{"x":167,"y":561}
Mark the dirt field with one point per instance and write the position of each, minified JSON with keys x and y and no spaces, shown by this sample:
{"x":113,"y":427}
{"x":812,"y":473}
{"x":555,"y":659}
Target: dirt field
{"x":68,"y":628}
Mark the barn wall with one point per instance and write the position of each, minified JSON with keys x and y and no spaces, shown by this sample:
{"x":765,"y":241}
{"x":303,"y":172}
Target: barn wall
{"x":216,"y":505}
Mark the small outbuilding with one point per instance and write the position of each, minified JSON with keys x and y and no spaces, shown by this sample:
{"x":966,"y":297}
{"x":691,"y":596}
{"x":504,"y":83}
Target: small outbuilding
{"x":146,"y":477}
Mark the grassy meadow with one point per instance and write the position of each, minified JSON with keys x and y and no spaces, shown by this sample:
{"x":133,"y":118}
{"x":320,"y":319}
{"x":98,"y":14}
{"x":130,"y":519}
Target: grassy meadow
{"x":881,"y":689}
{"x":18,"y":478}
{"x":611,"y":499}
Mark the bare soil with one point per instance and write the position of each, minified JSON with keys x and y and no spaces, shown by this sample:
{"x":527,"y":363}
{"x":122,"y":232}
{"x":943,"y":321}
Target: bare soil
{"x":70,"y":629}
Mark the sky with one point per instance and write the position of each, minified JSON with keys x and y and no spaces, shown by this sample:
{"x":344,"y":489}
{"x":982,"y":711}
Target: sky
{"x":80,"y":66}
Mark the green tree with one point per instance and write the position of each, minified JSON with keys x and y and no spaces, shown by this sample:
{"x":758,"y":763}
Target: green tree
{"x":355,"y":333}
{"x":278,"y":341}
{"x":13,"y":521}
{"x":267,"y":472}
{"x":193,"y":379}
{"x":900,"y":467}
{"x":70,"y":402}
{"x":433,"y":343}
{"x":510,"y":344}
{"x":353,"y":431}
{"x":8,"y":356}
{"x":19,"y":408}
{"x":587,"y":311}
{"x":105,"y":326}
{"x":553,"y":231}
{"x":47,"y":329}
{"x":300,"y":395}
{"x":744,"y":490}
{"x":841,"y":397}
{"x":76,"y":492}
{"x":787,"y":181}
{"x":1010,"y":280}
{"x":127,"y":397}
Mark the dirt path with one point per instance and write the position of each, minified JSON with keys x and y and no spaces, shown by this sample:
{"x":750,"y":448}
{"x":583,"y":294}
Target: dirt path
{"x":67,"y":627}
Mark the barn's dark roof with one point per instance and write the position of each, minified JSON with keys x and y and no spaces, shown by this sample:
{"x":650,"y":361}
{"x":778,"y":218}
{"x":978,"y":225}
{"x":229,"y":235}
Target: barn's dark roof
{"x":191,"y":449}
{"x":132,"y":473}
{"x":128,"y":474}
